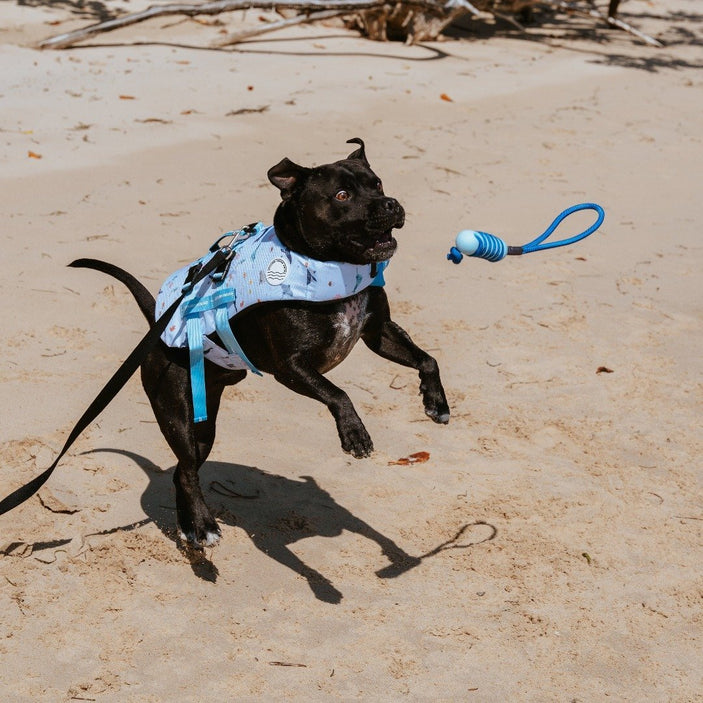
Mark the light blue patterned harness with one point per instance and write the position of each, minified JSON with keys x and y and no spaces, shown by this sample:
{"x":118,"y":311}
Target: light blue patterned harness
{"x":259,"y":269}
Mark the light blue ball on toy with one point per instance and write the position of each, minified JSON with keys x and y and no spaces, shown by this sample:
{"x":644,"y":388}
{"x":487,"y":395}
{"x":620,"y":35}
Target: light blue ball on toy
{"x":481,"y":244}
{"x":467,"y":241}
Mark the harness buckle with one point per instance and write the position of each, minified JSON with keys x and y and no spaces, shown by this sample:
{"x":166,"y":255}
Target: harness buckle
{"x":220,"y":273}
{"x":190,"y":278}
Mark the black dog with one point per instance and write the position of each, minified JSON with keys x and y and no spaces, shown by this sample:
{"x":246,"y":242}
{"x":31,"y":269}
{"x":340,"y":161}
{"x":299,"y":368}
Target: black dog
{"x":335,"y":212}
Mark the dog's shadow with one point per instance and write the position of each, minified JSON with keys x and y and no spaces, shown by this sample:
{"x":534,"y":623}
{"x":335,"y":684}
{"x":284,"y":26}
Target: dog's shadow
{"x":275,"y":512}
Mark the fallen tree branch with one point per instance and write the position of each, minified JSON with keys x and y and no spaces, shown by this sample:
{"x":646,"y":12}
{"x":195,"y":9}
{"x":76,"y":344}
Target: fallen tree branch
{"x":236,"y":37}
{"x":616,"y":22}
{"x":61,"y":41}
{"x":612,"y":20}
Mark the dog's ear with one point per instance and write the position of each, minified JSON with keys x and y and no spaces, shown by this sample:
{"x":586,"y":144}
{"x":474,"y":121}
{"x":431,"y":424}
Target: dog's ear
{"x":360,"y":153}
{"x":285,"y":175}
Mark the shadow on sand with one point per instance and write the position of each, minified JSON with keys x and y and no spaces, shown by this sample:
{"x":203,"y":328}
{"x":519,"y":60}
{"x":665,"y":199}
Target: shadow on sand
{"x":276,"y":512}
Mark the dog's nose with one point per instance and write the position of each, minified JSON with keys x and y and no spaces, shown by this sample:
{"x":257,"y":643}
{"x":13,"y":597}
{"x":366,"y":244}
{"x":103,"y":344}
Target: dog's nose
{"x":392,"y":205}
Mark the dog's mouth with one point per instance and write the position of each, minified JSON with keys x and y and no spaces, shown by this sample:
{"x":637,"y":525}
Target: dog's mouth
{"x":379,"y":243}
{"x":383,"y":247}
{"x":377,"y":246}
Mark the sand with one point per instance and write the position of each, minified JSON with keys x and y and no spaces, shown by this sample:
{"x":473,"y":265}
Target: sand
{"x":552,"y":541}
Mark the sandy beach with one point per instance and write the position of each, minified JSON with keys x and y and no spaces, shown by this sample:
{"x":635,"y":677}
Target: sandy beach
{"x":553,"y":540}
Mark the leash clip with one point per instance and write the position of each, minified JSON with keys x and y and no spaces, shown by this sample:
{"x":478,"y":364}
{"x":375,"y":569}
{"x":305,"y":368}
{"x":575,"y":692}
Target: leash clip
{"x":228,"y":251}
{"x":237,"y":236}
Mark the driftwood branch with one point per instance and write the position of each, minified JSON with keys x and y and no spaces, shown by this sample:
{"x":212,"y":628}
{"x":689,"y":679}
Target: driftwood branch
{"x":412,"y":20}
{"x":61,"y":41}
{"x":610,"y":19}
{"x":236,"y":37}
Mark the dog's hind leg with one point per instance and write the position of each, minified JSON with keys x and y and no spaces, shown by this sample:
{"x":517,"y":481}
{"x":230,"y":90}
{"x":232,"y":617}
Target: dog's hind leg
{"x":167,"y":385}
{"x":195,"y":521}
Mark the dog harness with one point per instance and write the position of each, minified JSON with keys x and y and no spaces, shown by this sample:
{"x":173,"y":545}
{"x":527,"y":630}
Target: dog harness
{"x":258,"y":268}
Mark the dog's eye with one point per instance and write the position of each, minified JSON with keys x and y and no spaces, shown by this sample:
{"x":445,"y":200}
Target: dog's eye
{"x":342,"y":195}
{"x":379,"y":187}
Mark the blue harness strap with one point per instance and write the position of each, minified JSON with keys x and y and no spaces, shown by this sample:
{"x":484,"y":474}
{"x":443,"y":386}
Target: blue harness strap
{"x":192,"y":308}
{"x":197,"y":367}
{"x":379,"y":280}
{"x":228,"y":338}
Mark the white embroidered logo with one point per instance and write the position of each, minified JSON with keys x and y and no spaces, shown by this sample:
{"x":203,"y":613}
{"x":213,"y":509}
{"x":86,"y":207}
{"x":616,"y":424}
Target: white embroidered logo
{"x":277,"y":272}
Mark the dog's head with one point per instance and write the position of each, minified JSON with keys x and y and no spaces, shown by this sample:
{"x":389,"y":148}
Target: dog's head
{"x":336,"y":212}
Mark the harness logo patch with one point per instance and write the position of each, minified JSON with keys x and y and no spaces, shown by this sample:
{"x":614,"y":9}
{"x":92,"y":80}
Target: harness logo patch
{"x":276,"y":272}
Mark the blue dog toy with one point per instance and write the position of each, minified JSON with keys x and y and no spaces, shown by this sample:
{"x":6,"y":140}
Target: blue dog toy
{"x":492,"y":248}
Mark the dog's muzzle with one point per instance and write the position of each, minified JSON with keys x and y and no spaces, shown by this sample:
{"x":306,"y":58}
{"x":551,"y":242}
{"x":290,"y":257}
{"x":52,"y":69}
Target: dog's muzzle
{"x":381,"y":244}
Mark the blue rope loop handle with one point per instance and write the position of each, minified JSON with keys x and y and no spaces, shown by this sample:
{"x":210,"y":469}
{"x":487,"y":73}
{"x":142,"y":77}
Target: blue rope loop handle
{"x":536,"y":244}
{"x":492,"y":248}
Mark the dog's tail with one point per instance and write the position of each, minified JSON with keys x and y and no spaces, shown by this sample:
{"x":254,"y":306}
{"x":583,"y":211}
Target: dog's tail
{"x":145,"y":300}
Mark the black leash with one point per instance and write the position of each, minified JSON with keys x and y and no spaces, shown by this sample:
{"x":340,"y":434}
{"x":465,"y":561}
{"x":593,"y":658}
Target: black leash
{"x":112,"y":387}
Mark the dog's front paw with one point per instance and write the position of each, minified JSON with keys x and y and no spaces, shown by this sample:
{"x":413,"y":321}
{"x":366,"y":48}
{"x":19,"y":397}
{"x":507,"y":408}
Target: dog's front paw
{"x":356,"y":441}
{"x":434,"y":399}
{"x":439,"y":415}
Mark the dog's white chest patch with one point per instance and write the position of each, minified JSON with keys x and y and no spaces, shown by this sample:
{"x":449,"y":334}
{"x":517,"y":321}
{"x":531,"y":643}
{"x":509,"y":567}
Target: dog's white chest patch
{"x":343,"y":325}
{"x":350,"y":320}
{"x":348,"y":324}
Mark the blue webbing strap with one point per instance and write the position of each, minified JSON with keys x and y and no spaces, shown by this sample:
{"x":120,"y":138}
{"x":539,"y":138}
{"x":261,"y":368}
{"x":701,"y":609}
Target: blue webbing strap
{"x":194,"y":329}
{"x":379,"y":281}
{"x":229,"y":340}
{"x":192,"y":308}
